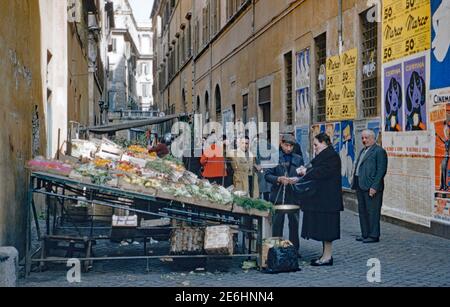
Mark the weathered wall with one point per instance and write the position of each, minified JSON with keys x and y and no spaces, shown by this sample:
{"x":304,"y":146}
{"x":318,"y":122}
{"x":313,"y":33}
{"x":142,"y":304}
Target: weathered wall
{"x":78,"y":107}
{"x":20,"y":69}
{"x":54,"y":72}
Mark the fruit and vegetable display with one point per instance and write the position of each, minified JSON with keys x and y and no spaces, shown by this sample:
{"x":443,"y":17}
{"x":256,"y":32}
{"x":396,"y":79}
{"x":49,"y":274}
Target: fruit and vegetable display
{"x":135,"y":169}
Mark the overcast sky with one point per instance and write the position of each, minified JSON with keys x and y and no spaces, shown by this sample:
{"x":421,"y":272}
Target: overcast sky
{"x":142,"y":9}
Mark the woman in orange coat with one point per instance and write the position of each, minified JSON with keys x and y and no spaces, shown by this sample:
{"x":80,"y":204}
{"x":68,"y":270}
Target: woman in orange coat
{"x":213,"y":162}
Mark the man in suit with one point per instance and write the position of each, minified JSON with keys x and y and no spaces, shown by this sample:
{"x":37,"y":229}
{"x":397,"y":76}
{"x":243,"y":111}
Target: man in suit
{"x":282,"y":195}
{"x":368,"y":181}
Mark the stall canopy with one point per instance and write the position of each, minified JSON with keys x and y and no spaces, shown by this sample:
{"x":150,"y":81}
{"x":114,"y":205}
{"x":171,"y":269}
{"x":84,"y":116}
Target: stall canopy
{"x":133,"y":124}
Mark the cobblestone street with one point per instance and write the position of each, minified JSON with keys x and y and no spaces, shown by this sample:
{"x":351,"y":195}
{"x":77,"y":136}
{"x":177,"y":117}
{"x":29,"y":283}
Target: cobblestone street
{"x":407,"y":258}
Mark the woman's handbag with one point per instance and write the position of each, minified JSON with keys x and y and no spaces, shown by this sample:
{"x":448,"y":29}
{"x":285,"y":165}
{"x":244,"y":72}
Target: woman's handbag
{"x":305,"y":189}
{"x":282,"y":259}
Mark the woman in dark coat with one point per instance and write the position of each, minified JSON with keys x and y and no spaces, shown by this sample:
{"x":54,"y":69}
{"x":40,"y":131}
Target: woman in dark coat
{"x":321,"y":218}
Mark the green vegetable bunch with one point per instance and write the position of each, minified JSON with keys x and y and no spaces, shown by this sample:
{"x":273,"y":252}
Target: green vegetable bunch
{"x":249,"y":203}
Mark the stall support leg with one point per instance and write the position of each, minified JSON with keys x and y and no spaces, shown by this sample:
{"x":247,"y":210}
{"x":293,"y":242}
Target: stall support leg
{"x":28,"y":233}
{"x":260,"y":240}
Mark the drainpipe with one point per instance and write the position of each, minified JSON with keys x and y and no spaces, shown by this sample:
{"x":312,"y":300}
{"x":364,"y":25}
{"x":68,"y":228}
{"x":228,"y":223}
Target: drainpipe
{"x":341,"y":42}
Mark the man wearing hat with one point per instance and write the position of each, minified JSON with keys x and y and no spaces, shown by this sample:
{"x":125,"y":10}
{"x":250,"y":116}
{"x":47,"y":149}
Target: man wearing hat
{"x":283,"y":177}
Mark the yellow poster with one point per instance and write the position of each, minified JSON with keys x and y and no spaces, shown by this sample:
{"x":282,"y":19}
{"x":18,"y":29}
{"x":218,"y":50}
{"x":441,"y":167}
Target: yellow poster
{"x":334,"y":88}
{"x":348,"y":65}
{"x":406,"y":28}
{"x":341,"y":86}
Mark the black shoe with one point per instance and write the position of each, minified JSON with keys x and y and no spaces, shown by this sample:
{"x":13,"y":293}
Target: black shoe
{"x":299,"y":256}
{"x":322,"y":263}
{"x":371,"y":240}
{"x":360,"y":239}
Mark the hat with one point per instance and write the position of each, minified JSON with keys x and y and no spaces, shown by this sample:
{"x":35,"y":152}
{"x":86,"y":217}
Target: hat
{"x":288,"y":138}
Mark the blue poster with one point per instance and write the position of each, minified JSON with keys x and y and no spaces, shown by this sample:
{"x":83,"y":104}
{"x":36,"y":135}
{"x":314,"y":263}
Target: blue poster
{"x":375,"y":127}
{"x":347,"y":152}
{"x":440,"y":44}
{"x":302,"y":136}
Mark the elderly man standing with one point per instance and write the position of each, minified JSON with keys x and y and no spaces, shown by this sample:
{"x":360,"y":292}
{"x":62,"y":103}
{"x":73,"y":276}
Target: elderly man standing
{"x":368,"y":181}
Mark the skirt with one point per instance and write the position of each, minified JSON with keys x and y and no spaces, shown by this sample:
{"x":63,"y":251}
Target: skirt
{"x":321,"y":226}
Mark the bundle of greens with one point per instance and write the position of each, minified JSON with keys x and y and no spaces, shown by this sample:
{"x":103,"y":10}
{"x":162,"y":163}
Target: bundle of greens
{"x":159,"y":166}
{"x":170,"y":158}
{"x":249,"y":203}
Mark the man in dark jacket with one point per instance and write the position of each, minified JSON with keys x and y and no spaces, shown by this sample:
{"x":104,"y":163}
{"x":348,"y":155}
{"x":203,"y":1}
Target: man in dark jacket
{"x":371,"y":168}
{"x":282,"y":194}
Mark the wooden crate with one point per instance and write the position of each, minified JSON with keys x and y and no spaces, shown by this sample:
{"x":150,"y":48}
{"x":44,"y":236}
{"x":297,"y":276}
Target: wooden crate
{"x":187,"y":241}
{"x":219,"y":240}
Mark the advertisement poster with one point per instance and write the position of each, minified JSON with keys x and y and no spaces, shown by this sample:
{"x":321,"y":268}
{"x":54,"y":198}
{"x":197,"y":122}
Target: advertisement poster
{"x":375,"y":126}
{"x":415,"y":94}
{"x":334,"y":88}
{"x":302,"y":86}
{"x":333,"y":130}
{"x":406,"y":28}
{"x":440,"y":116}
{"x":302,"y":137}
{"x":347,"y":152}
{"x":393,"y":99}
{"x":342,"y":136}
{"x":440,"y":46}
{"x":349,"y":61}
{"x":441,"y":210}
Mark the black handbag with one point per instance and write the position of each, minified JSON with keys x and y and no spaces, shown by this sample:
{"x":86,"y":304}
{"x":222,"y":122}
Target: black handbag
{"x":282,"y":260}
{"x":305,"y":189}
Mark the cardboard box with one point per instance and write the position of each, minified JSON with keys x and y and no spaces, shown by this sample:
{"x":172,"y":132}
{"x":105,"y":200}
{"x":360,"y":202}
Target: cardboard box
{"x":219,"y":240}
{"x":267,"y":245}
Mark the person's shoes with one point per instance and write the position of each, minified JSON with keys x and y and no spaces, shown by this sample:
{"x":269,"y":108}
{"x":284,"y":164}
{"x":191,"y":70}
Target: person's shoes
{"x":360,"y":239}
{"x":371,"y":240}
{"x":319,"y":262}
{"x":299,"y":255}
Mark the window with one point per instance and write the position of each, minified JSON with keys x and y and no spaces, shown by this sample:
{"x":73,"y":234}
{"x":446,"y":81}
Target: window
{"x":218,"y":104}
{"x":215,"y":24}
{"x":114,"y":45}
{"x":183,"y":100}
{"x":233,"y":7}
{"x":288,"y":84}
{"x":197,"y":36}
{"x":369,"y":62}
{"x":321,"y":56}
{"x":206,"y":22}
{"x":183,"y":49}
{"x":189,"y":41}
{"x":207,"y":108}
{"x":264,"y":101}
{"x":245,"y":109}
{"x":197,"y":110}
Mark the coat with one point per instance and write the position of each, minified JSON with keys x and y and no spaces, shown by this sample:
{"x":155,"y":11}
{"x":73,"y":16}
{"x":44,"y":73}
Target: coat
{"x":213,"y":164}
{"x":243,"y":168}
{"x":373,"y":169}
{"x":326,"y":173}
{"x":272,"y":175}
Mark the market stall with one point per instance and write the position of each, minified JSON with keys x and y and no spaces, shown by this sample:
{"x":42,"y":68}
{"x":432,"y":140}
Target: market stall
{"x":146,"y":196}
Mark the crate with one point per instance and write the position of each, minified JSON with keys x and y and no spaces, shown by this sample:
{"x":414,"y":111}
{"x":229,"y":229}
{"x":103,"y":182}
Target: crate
{"x":219,"y":240}
{"x":187,"y":241}
{"x":267,"y":245}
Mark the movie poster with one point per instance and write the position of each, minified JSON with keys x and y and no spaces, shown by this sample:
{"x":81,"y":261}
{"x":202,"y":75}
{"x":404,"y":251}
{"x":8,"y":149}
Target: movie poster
{"x":415,"y":94}
{"x":441,"y":210}
{"x":302,"y":137}
{"x":347,"y":152}
{"x":440,"y":45}
{"x":302,"y":87}
{"x":393,"y":99}
{"x":333,"y":130}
